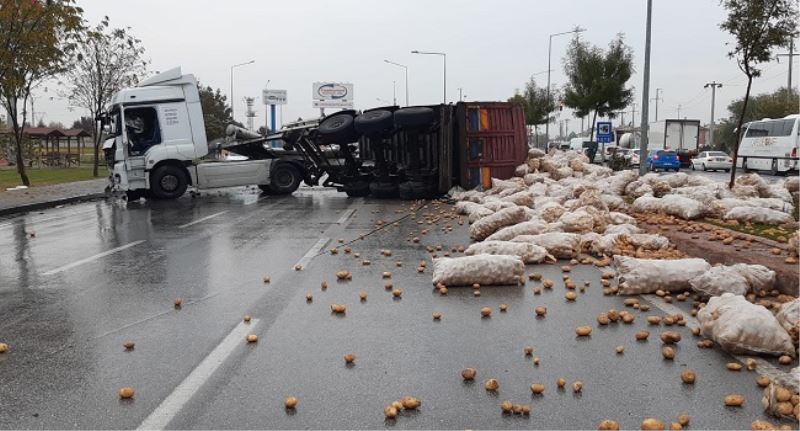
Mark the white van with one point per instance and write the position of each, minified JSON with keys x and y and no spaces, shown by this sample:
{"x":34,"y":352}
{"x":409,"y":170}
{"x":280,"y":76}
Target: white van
{"x":770,"y":138}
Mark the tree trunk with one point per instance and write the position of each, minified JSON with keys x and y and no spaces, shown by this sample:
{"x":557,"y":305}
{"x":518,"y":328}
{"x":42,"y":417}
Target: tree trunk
{"x":96,"y":150}
{"x":18,"y":142}
{"x":739,"y":132}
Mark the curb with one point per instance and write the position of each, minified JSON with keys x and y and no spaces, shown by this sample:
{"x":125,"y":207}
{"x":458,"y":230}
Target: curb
{"x":50,"y":204}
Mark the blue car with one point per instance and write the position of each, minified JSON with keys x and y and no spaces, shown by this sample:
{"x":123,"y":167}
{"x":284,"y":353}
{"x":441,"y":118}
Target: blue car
{"x":663,"y":159}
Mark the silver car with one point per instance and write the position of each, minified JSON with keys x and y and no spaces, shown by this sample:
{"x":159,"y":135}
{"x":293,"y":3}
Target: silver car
{"x":712,"y":160}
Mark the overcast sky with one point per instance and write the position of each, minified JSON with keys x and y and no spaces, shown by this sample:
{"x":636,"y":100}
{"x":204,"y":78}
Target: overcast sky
{"x":492,"y":48}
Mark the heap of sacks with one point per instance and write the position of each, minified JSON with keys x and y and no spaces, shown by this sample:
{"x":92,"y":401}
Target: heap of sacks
{"x":559,"y":206}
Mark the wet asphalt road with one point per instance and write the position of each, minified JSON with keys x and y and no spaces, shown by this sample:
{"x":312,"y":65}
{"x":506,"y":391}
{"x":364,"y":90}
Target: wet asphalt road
{"x":66,"y":310}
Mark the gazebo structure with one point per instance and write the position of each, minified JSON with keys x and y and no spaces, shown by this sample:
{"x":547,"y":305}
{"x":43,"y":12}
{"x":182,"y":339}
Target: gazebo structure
{"x":47,"y":142}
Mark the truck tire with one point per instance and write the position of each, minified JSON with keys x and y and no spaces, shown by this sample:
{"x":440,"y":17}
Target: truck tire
{"x":357,"y":189}
{"x":383,"y":190}
{"x":284,"y":179}
{"x":168,"y":182}
{"x":414,"y":117}
{"x":375,"y":123}
{"x":338,"y":129}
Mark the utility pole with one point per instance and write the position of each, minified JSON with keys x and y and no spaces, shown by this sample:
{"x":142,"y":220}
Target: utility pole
{"x":646,"y":90}
{"x":714,"y":85}
{"x":791,"y":56}
{"x":633,"y":114}
{"x":460,"y":97}
{"x":550,"y":69}
{"x":679,"y":112}
{"x":657,"y":98}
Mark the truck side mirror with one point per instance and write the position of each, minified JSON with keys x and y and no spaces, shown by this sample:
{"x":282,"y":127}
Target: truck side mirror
{"x":107,"y":129}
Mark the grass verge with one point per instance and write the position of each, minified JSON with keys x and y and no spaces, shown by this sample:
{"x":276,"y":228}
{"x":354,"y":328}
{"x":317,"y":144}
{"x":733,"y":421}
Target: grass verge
{"x":42,"y":177}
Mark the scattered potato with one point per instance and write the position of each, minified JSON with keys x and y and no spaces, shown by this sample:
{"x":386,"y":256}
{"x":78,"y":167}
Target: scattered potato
{"x":537,"y":388}
{"x":323,"y":285}
{"x":630,"y":302}
{"x":349,"y":358}
{"x":785,"y":360}
{"x":503,"y":307}
{"x":688,"y":376}
{"x":386,"y":274}
{"x":696,"y":330}
{"x":469,"y":373}
{"x":670,"y":337}
{"x":486,"y":311}
{"x":390,"y":412}
{"x":338,"y":308}
{"x":751,"y":364}
{"x":290,"y":402}
{"x":734,"y":400}
{"x":628,"y":318}
{"x":570,"y":296}
{"x":683,"y":420}
{"x":177,"y":302}
{"x":674,"y":426}
{"x":126,"y":392}
{"x":583,"y":331}
{"x":528,"y":350}
{"x":561,"y":382}
{"x":537,"y":291}
{"x":577,"y":386}
{"x":761,"y":425}
{"x":620,"y":349}
{"x":298,"y":267}
{"x":566,"y":268}
{"x":491,"y":385}
{"x":536,"y":276}
{"x":246,"y":318}
{"x":129,"y":345}
{"x":608,"y":425}
{"x":267,"y":279}
{"x":506,"y":406}
{"x":251,"y":338}
{"x":602,"y":319}
{"x":309,"y":297}
{"x":535,"y":360}
{"x":642,"y":335}
{"x":733,"y":366}
{"x":443,"y":291}
{"x":540,"y":311}
{"x":762,"y":381}
{"x":652,"y":424}
{"x":344,"y":275}
{"x":654,"y":320}
{"x":547,"y":283}
{"x":420,"y":269}
{"x":410,"y":403}
{"x":668,"y":352}
{"x":644,"y":307}
{"x":437,"y":316}
{"x":476,"y":293}
{"x":397,"y":293}
{"x":525,"y":409}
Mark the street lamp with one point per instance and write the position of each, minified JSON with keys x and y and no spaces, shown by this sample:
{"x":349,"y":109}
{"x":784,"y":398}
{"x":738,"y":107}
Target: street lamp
{"x":444,"y":63}
{"x":406,"y":69}
{"x":549,"y":51}
{"x":234,"y":67}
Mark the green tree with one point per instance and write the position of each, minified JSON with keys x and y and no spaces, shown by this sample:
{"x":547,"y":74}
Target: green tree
{"x":105,"y":61}
{"x":776,"y":104}
{"x":36,"y":38}
{"x":536,"y":104}
{"x":216,"y":112}
{"x":596,"y":78}
{"x":758,"y":26}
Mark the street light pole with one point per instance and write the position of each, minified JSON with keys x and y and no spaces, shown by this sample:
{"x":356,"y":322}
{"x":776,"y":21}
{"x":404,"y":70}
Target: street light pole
{"x":714,"y":85}
{"x":234,"y":67}
{"x":406,"y":70}
{"x":549,"y":57}
{"x":444,"y":64}
{"x":657,"y":98}
{"x":645,"y":91}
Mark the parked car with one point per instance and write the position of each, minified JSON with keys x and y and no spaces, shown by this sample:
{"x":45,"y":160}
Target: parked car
{"x":663,"y":159}
{"x":712,"y":160}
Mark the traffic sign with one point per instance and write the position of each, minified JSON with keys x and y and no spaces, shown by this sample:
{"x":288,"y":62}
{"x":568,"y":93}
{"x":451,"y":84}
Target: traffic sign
{"x":274,"y":97}
{"x":604,"y":132}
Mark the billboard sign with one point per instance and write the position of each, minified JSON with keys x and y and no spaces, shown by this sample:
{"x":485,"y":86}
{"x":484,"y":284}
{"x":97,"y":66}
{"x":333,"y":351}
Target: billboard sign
{"x":274,"y":97}
{"x":332,"y":95}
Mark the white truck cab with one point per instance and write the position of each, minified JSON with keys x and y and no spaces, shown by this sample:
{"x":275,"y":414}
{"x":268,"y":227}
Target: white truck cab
{"x":157,"y":138}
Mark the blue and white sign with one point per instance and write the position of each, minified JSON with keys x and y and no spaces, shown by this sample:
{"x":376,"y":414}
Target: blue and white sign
{"x":604,"y":133}
{"x":332,"y":95}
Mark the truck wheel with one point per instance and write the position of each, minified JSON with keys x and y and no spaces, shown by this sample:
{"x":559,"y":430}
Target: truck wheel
{"x":357,"y":189}
{"x":374,"y":123}
{"x":284,"y":179}
{"x":414,"y":117}
{"x":168,"y":182}
{"x":338,"y":129}
{"x":383,"y":190}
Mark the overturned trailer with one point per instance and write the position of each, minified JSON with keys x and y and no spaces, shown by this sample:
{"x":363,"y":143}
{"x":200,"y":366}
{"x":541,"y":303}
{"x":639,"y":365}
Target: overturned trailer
{"x":411,"y":153}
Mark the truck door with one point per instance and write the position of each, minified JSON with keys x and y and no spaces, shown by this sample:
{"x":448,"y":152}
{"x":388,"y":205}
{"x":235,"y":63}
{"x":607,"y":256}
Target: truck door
{"x":674,"y":138}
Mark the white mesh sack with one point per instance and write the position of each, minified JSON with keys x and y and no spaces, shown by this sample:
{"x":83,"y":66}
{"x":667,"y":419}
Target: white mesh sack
{"x":743,"y":328}
{"x":719,"y":280}
{"x":578,"y":221}
{"x":676,"y":205}
{"x":620,"y":218}
{"x":622,"y":228}
{"x":562,"y":245}
{"x":758,"y":215}
{"x":532,"y":227}
{"x":530,"y":253}
{"x":789,"y":315}
{"x":758,"y":277}
{"x":620,"y":180}
{"x":637,"y":276}
{"x":523,"y":199}
{"x":483,"y":269}
{"x":490,"y":224}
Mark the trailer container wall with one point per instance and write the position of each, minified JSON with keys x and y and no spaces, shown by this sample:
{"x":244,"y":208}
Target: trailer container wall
{"x":492,"y":141}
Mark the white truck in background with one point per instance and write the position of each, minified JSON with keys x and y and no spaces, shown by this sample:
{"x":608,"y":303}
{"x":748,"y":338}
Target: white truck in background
{"x":157,"y":140}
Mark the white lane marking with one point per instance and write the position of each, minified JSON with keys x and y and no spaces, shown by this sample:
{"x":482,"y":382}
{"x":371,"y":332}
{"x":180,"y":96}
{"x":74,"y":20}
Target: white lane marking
{"x":762,"y":366}
{"x":175,"y":401}
{"x":312,"y":252}
{"x":92,"y":258}
{"x":346,"y":215}
{"x":200,"y":220}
